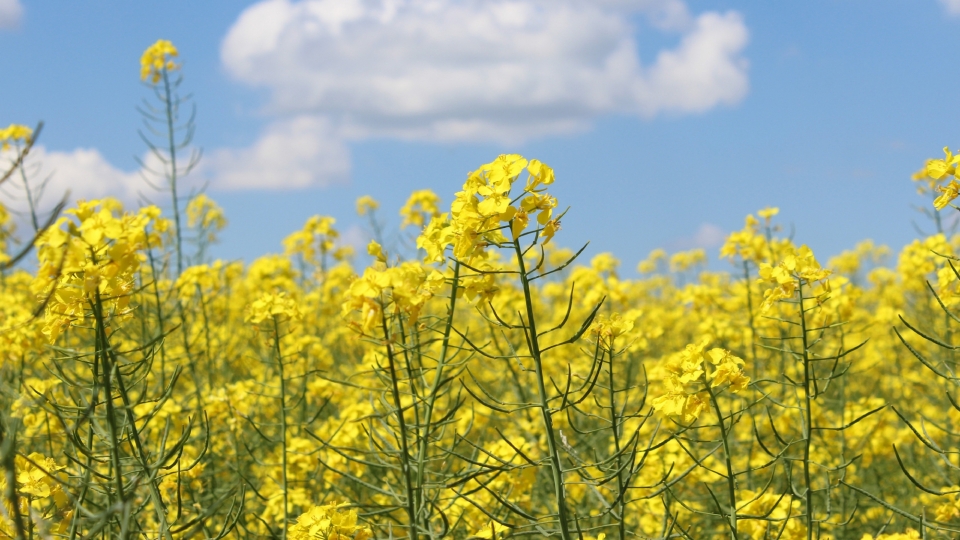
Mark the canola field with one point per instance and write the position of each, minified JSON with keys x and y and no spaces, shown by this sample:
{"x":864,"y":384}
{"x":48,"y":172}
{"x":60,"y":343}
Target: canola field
{"x":485,"y":382}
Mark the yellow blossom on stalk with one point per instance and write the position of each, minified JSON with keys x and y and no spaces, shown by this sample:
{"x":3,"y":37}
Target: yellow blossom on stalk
{"x":542,"y":205}
{"x":203,"y":212}
{"x":422,"y":206}
{"x":366,"y":204}
{"x":686,"y":260}
{"x":482,"y":287}
{"x":479,"y":211}
{"x":157,"y":59}
{"x":768,"y":213}
{"x":97,"y":255}
{"x":375,"y":251}
{"x":938,"y":169}
{"x":41,"y":496}
{"x":948,"y":193}
{"x":407,"y":287}
{"x":269,"y":306}
{"x":685,"y":374}
{"x":14,"y":133}
{"x":798,"y":267}
{"x":549,"y":230}
{"x":540,"y":175}
{"x":935,"y":170}
{"x":649,"y":265}
{"x":607,"y":329}
{"x":728,"y":370}
{"x":749,"y":243}
{"x":314,"y":241}
{"x":330,"y":523}
{"x":770,"y":505}
{"x":519,"y":219}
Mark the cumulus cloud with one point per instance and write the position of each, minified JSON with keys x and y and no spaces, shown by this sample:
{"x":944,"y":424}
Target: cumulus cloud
{"x":952,"y":6}
{"x":10,"y":13}
{"x":84,"y":172}
{"x":295,"y":153}
{"x":500,"y":70}
{"x":504,"y":71}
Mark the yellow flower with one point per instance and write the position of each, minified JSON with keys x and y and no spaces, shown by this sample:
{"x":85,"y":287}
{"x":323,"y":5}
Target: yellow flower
{"x":549,"y":230}
{"x":420,"y":207}
{"x":330,"y":523}
{"x":768,"y":213}
{"x":948,"y":193}
{"x":540,"y":175}
{"x":729,"y":369}
{"x":157,"y":59}
{"x":203,"y":212}
{"x":375,"y":251}
{"x":607,"y":329}
{"x":15,"y":133}
{"x":272,"y":306}
{"x":366,"y":204}
{"x":937,"y":169}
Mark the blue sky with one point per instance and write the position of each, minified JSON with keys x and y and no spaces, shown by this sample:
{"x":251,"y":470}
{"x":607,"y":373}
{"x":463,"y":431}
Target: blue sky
{"x":666,"y":121}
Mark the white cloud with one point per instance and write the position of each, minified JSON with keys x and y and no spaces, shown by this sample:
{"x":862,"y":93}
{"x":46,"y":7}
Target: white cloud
{"x":83,"y":173}
{"x":707,"y":236}
{"x":952,"y":6}
{"x":506,"y":71}
{"x":296,"y":153}
{"x":501,"y":70}
{"x":11,"y":12}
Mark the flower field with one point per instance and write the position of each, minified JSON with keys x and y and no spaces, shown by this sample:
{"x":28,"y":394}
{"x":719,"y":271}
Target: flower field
{"x":476,"y":380}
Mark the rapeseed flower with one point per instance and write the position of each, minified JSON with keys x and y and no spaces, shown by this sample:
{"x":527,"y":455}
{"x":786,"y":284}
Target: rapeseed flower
{"x":157,"y":60}
{"x":16,"y":134}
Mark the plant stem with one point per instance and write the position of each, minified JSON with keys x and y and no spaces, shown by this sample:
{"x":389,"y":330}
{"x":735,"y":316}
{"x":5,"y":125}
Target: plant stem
{"x":283,"y":426}
{"x":808,"y":411}
{"x":402,"y":424}
{"x":731,"y":477}
{"x":544,"y":406}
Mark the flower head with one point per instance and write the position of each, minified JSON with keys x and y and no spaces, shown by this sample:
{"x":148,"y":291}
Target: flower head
{"x":14,"y":133}
{"x":157,"y":59}
{"x":366,"y":204}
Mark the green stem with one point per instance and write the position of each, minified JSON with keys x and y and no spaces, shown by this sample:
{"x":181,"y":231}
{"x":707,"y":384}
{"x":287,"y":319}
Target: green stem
{"x":283,"y":426}
{"x":402,"y":424}
{"x":437,"y":378}
{"x":615,"y":423}
{"x":534,"y":345}
{"x":168,"y":101}
{"x":727,"y":457}
{"x":808,"y":411}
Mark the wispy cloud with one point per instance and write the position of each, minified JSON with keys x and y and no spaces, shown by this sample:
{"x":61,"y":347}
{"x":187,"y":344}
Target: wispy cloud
{"x":952,"y":6}
{"x":11,"y":11}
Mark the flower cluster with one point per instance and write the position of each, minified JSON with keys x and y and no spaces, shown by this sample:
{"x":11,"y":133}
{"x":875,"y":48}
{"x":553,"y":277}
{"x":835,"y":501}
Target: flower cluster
{"x":685,"y":378}
{"x":272,"y":307}
{"x":410,"y":285}
{"x":935,"y":171}
{"x":157,"y":60}
{"x":608,"y":329}
{"x":485,"y":207}
{"x":330,"y":523}
{"x":16,"y":134}
{"x":317,"y":241}
{"x":422,"y":206}
{"x":366,"y":204}
{"x":797,"y":269}
{"x":93,"y":259}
